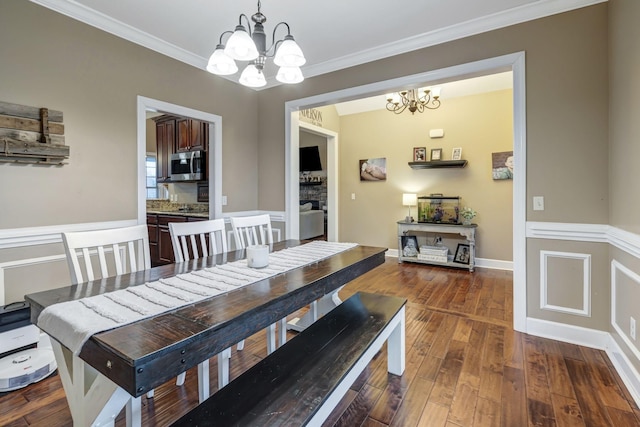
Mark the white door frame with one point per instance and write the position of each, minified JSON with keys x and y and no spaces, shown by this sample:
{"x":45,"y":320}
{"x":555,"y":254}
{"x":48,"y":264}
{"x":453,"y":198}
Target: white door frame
{"x":514,"y":62}
{"x":332,"y":178}
{"x":215,"y":151}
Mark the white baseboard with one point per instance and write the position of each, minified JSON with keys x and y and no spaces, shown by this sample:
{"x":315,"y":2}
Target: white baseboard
{"x":628,"y":373}
{"x":568,"y":333}
{"x":592,"y":338}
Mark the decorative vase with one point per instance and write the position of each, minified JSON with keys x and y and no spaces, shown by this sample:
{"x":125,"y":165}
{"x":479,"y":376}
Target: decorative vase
{"x":466,"y":221}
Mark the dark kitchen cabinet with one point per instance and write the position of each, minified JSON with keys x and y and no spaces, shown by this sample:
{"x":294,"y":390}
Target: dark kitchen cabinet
{"x":191,"y":135}
{"x":165,"y":145}
{"x":160,"y":245}
{"x":152,"y":227}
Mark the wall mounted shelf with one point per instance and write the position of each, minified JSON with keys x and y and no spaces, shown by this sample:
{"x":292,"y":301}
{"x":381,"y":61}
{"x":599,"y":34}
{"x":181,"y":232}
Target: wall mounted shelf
{"x":438,"y":164}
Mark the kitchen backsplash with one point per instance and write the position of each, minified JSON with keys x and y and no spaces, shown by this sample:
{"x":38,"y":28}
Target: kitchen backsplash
{"x":168,"y":206}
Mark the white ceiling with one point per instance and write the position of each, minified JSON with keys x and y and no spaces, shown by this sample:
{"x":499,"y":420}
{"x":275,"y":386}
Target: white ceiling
{"x":333,"y":34}
{"x":456,"y":89}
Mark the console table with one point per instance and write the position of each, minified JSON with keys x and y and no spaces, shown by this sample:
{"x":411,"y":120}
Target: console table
{"x":467,"y":231}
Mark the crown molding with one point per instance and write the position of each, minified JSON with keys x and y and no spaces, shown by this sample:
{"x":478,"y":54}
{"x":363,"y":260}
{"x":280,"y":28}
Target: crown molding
{"x":106,"y":23}
{"x":517,"y":15}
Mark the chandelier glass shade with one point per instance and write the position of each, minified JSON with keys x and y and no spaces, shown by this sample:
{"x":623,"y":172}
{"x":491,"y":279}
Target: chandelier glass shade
{"x":410,"y":99}
{"x":245,"y":44}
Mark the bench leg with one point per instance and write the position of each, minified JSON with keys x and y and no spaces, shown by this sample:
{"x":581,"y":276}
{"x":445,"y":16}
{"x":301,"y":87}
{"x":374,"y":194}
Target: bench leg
{"x":271,"y":338}
{"x":203,"y":380}
{"x":396,"y":346}
{"x":223,"y":367}
{"x":282,"y":331}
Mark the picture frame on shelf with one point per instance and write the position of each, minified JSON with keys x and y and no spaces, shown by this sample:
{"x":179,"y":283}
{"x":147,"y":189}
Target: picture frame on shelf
{"x":410,"y":246}
{"x":456,"y":153}
{"x":463,"y":254}
{"x":436,"y":154}
{"x":419,"y":154}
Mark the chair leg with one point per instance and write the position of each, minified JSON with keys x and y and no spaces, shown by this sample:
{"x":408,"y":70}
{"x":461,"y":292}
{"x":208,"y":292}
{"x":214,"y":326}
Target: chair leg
{"x":241,"y":345}
{"x":133,"y":412}
{"x":180,"y":379}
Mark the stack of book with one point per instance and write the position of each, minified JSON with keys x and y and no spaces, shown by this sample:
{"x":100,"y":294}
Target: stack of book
{"x":433,"y":253}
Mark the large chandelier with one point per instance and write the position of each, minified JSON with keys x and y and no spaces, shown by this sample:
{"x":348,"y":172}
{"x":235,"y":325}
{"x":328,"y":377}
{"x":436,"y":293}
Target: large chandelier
{"x":252,"y":46}
{"x":411,"y":99}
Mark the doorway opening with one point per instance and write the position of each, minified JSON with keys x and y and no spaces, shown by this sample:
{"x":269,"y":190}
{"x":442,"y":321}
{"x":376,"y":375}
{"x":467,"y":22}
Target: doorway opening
{"x":145,"y":105}
{"x":513,"y":62}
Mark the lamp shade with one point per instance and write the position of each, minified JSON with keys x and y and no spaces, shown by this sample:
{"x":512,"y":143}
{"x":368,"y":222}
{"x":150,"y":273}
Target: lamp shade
{"x":289,"y":75}
{"x":289,"y":54}
{"x":409,"y":199}
{"x":252,"y":77}
{"x":240,"y":46}
{"x":220,"y":63}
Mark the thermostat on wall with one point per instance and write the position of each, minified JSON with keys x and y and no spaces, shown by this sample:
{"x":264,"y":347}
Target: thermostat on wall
{"x":436,"y":133}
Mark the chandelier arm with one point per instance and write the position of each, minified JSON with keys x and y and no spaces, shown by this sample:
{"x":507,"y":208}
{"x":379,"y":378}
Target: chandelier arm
{"x":271,"y":51}
{"x":248,"y":23}
{"x":222,"y":35}
{"x":435,"y":104}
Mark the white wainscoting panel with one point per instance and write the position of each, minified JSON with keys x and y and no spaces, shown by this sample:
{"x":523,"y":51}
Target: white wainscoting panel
{"x":24,"y":263}
{"x":586,"y":282}
{"x":617,"y":267}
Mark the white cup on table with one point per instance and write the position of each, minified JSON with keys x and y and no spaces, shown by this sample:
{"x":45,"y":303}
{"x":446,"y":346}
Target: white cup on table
{"x":258,"y":256}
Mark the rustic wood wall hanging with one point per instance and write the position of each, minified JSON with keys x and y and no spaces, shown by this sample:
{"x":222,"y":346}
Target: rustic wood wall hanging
{"x":31,"y":135}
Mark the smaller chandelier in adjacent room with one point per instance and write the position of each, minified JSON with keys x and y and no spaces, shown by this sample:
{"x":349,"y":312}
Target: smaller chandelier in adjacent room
{"x":411,"y":99}
{"x":247,"y":45}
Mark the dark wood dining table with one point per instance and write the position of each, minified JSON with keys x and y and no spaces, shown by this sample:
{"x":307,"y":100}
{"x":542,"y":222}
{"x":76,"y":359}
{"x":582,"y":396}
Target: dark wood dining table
{"x":140,"y":356}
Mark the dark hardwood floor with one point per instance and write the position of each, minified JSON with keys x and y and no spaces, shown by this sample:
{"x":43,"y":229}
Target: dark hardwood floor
{"x":465,"y":366}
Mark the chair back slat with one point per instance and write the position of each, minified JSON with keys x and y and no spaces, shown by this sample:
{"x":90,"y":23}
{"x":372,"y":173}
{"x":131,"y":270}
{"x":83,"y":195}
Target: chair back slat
{"x":247,"y":228}
{"x":113,"y":247}
{"x":191,"y":239}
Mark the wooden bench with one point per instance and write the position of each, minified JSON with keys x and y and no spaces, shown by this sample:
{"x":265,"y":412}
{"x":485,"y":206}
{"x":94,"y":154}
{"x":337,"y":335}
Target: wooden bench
{"x":303,"y":381}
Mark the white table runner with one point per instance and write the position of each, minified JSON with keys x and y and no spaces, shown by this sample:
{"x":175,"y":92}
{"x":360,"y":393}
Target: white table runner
{"x":72,"y":323}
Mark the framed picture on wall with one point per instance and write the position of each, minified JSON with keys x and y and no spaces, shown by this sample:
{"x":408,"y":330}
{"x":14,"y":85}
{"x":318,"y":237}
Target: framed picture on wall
{"x":373,"y":169}
{"x":502,"y":165}
{"x":436,"y":154}
{"x":456,"y":154}
{"x":419,"y":154}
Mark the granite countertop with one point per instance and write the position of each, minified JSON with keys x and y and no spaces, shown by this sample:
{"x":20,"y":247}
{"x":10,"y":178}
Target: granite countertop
{"x":180,"y":213}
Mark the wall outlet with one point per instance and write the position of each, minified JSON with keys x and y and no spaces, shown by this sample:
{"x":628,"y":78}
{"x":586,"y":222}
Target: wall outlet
{"x":353,"y":196}
{"x":632,"y":327}
{"x":224,"y":200}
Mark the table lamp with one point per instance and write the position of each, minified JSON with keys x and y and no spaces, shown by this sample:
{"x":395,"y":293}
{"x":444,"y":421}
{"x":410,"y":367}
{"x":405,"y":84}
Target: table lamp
{"x":409,"y":199}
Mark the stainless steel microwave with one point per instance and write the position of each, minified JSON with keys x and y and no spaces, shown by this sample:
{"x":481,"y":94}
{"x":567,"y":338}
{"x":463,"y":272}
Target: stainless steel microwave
{"x":188,"y":166}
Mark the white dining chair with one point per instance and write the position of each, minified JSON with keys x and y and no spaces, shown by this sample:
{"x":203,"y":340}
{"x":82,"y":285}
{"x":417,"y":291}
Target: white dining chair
{"x":252,"y":230}
{"x":191,"y":240}
{"x":118,"y":251}
{"x":256,"y":230}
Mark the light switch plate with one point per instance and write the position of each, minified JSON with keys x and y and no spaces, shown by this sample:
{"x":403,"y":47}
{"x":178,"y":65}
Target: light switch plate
{"x":224,"y":200}
{"x":538,"y":203}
